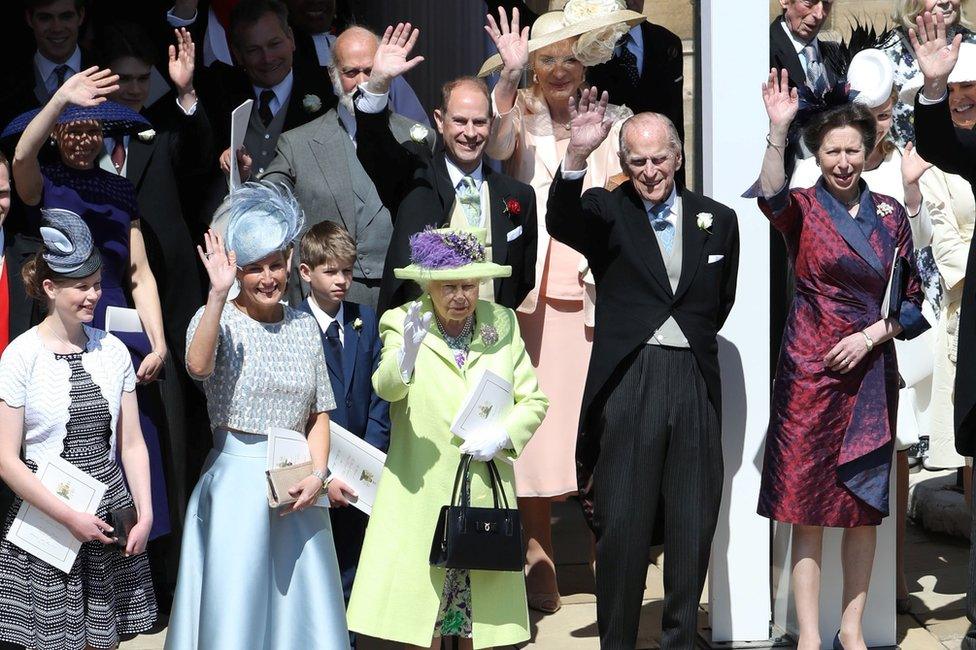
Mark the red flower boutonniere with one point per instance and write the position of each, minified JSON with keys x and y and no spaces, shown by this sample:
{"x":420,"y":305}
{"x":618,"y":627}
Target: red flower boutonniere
{"x":512,"y":208}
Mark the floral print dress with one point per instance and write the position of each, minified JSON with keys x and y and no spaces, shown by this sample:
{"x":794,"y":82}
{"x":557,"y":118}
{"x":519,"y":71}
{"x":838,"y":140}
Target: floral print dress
{"x":899,"y":50}
{"x":454,"y":615}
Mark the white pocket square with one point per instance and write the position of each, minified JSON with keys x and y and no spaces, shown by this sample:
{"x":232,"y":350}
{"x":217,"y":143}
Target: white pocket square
{"x":715,"y":258}
{"x":513,"y":233}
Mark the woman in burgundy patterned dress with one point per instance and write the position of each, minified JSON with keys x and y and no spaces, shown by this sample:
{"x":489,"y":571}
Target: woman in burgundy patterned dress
{"x":832,"y":422}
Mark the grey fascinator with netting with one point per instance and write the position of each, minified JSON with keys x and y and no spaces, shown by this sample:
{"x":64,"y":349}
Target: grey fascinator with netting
{"x":69,"y":249}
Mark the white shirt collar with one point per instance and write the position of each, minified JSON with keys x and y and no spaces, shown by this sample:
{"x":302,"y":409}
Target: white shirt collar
{"x":46,"y":66}
{"x":457,"y":175}
{"x":798,"y":45}
{"x":282,"y":91}
{"x":324,"y":320}
{"x":110,"y":143}
{"x":671,"y":202}
{"x":323,"y":47}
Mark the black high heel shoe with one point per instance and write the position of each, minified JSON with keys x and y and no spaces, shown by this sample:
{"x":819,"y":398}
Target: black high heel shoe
{"x":837,"y":644}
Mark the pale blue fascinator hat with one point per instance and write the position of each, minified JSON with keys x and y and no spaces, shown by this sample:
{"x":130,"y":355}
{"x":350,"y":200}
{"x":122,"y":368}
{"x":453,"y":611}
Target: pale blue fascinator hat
{"x":258,"y":219}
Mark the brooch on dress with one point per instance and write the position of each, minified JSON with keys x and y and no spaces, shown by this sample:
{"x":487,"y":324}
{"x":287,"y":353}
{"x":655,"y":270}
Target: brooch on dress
{"x":489,"y":334}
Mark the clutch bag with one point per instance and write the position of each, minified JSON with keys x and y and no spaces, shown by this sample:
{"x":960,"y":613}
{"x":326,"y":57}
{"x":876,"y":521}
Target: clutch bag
{"x":122,"y":520}
{"x":281,"y":479}
{"x":897,"y":284}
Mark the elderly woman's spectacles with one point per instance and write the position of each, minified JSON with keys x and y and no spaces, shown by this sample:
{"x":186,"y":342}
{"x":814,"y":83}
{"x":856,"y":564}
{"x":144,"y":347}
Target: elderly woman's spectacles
{"x":549,"y":62}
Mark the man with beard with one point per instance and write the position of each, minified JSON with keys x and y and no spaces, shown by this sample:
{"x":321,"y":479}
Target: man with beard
{"x":350,"y":63}
{"x":794,"y":45}
{"x":318,"y":163}
{"x":313,"y":21}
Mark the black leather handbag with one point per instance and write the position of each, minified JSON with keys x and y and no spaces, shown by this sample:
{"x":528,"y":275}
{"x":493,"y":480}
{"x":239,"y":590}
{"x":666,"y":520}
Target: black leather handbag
{"x":486,"y":539}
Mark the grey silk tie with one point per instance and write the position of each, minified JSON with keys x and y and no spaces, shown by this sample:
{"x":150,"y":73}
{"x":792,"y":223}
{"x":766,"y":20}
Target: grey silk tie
{"x":816,"y":75}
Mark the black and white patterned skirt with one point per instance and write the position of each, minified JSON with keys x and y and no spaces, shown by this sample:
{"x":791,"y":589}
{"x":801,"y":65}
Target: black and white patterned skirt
{"x":105,"y":595}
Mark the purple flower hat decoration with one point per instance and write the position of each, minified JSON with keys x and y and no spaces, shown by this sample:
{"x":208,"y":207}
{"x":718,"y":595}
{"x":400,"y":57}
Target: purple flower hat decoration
{"x":448,"y":254}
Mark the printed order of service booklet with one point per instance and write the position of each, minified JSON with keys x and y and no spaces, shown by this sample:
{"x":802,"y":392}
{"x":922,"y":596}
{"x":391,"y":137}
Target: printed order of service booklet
{"x":485,"y":406}
{"x":40,"y":535}
{"x":351,"y":458}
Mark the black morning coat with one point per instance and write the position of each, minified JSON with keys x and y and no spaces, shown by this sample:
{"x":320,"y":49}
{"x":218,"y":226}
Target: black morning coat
{"x":612,"y":230}
{"x":418,"y":192}
{"x":954,"y":151}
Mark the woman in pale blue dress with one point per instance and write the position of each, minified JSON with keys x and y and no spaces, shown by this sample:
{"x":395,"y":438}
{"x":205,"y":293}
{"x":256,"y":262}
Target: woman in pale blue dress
{"x":252,"y":577}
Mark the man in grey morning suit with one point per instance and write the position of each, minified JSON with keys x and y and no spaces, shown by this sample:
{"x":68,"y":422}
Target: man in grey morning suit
{"x":665,"y":261}
{"x":318,"y":162}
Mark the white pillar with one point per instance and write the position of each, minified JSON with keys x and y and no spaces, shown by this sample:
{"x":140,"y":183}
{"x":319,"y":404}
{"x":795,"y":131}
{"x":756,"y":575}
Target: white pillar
{"x":734,"y":60}
{"x":734,"y":56}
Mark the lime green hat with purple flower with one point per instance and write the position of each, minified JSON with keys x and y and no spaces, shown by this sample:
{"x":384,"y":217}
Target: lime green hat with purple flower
{"x":448,"y":254}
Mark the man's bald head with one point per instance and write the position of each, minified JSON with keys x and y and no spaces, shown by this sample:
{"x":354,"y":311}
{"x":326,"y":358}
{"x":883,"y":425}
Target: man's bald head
{"x":654,"y":126}
{"x":650,"y":154}
{"x":355,"y":43}
{"x":352,"y":58}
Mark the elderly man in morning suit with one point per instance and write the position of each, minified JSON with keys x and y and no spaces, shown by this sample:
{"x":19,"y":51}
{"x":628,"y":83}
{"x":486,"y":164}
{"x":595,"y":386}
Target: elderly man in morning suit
{"x":665,"y":261}
{"x":318,"y":162}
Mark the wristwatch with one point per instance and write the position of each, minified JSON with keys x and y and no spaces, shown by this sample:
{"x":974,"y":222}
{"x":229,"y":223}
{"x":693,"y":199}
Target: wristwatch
{"x":868,"y":340}
{"x":322,"y":475}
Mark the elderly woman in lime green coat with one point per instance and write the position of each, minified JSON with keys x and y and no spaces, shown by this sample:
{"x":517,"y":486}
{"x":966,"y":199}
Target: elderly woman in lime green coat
{"x":434,"y":352}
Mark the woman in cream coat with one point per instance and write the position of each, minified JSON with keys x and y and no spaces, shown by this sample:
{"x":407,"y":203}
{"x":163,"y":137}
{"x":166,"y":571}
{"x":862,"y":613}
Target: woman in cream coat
{"x":949,"y":199}
{"x":434,"y":352}
{"x":950,"y":202}
{"x":530,"y":133}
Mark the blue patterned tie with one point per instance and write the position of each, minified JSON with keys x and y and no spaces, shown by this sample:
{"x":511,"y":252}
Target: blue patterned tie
{"x":662,"y":227}
{"x":627,"y":59}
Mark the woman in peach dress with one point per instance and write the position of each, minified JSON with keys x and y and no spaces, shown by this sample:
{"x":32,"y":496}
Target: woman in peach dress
{"x":530,"y":132}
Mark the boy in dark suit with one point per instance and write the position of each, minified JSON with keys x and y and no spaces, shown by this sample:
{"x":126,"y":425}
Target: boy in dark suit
{"x":350,"y":337}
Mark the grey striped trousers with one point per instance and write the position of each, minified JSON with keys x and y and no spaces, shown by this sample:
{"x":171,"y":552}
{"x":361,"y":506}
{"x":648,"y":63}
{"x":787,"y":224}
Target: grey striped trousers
{"x":660,"y":448}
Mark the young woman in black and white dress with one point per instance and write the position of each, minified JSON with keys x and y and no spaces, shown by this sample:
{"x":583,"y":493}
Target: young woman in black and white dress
{"x":67,"y":389}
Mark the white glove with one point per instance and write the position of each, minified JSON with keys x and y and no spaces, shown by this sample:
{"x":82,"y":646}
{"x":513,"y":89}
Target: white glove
{"x":485,"y":445}
{"x":415,"y":327}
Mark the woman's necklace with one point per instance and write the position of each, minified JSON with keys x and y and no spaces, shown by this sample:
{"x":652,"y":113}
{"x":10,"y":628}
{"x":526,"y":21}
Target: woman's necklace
{"x":67,"y":343}
{"x":461,"y":343}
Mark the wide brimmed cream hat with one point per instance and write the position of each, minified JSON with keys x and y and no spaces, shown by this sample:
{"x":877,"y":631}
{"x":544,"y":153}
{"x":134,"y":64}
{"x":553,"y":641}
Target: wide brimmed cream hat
{"x":598,"y":23}
{"x":964,"y":71}
{"x":447,"y":254}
